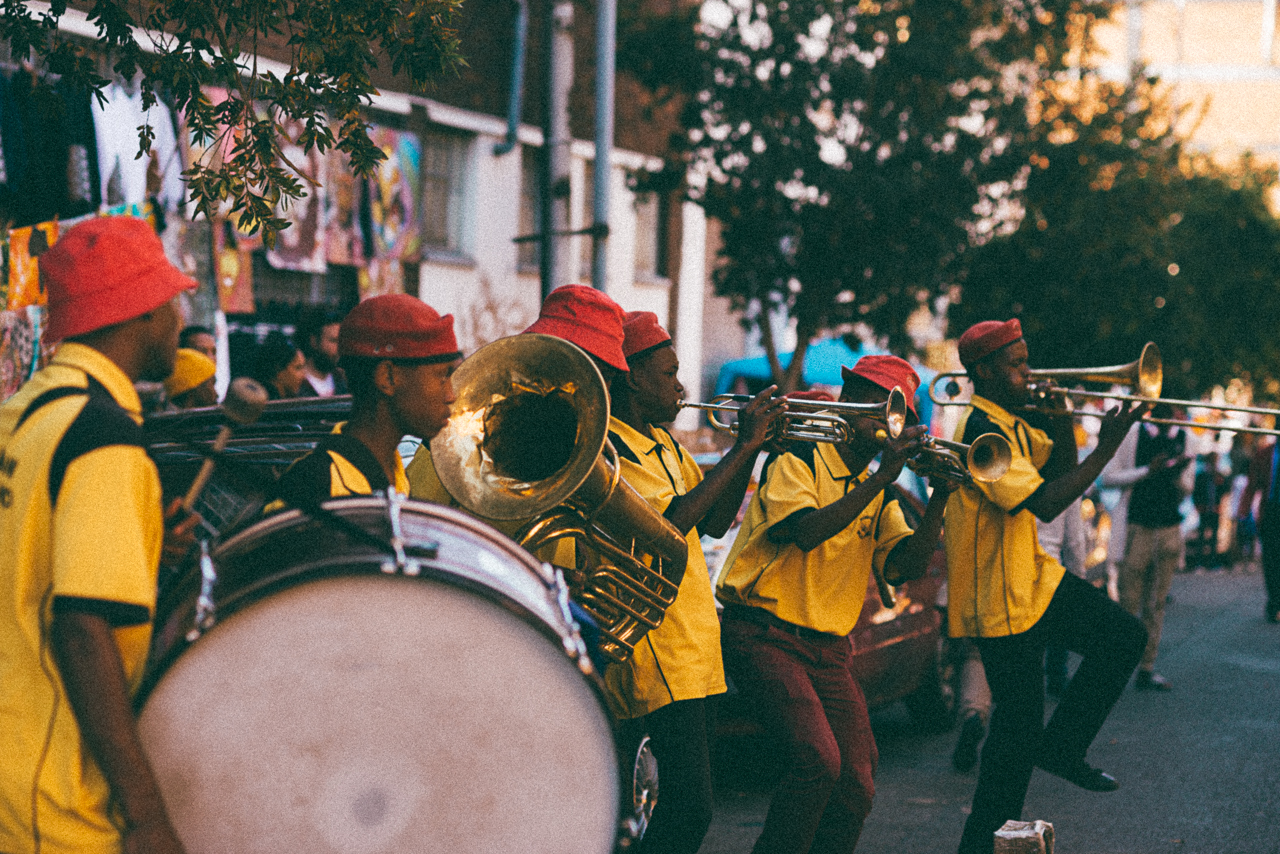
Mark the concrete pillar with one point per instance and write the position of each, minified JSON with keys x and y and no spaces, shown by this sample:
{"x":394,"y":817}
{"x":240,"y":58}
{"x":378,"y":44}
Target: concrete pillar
{"x":690,"y":287}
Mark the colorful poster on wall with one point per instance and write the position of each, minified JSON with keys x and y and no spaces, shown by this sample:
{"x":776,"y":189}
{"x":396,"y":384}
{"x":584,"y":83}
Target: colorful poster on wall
{"x":233,"y":267}
{"x":344,"y":233}
{"x":26,"y":245}
{"x":393,"y":208}
{"x":21,"y":350}
{"x":300,"y":247}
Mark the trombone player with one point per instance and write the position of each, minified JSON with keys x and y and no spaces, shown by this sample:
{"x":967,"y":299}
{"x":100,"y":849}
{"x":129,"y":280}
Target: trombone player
{"x":793,"y":586}
{"x":1015,"y":600}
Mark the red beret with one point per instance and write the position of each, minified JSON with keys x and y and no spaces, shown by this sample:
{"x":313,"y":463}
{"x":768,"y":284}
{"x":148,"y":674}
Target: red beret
{"x":887,"y":372}
{"x":587,"y":318}
{"x":397,"y":326}
{"x":983,"y":339}
{"x":105,"y":271}
{"x":642,"y":332}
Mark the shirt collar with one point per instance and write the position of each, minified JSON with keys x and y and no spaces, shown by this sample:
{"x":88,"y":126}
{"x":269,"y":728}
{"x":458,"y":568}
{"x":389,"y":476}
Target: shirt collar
{"x":639,"y":442}
{"x":97,"y":365}
{"x":835,"y":463}
{"x":995,"y":412}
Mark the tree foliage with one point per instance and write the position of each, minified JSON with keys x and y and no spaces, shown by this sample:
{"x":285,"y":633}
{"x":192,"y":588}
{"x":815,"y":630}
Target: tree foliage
{"x":846,"y":146}
{"x":187,"y":45}
{"x":1127,"y":239}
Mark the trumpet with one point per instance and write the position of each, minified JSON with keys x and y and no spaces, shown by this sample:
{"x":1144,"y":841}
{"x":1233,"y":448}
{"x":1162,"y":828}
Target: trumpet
{"x":1144,"y":375}
{"x":813,"y":420}
{"x":985,"y":460}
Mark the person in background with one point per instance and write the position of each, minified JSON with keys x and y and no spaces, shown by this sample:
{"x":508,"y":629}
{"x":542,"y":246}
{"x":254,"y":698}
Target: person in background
{"x":1154,"y":550}
{"x":666,"y":686}
{"x":201,"y":339}
{"x":794,"y":583}
{"x":1210,"y":486}
{"x":399,"y":355}
{"x":317,"y":337}
{"x":280,"y":367}
{"x":191,"y":383}
{"x":81,"y":537}
{"x":1015,"y":600}
{"x":1265,"y":486}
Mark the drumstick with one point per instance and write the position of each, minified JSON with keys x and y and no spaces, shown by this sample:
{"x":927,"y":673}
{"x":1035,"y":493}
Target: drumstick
{"x":244,"y":402}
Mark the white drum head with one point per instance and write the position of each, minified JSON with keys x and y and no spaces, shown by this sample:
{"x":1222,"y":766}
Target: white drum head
{"x":368,"y":714}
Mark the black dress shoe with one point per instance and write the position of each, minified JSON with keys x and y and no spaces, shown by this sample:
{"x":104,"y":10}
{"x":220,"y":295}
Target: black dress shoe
{"x":1081,"y":774}
{"x":1149,"y":680}
{"x":966,"y":752}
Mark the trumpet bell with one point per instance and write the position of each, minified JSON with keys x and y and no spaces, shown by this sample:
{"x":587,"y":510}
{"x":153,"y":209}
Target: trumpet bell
{"x":526,"y":429}
{"x":989,"y":458}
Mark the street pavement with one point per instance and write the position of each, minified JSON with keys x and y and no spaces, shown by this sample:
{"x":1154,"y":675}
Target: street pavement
{"x":1199,"y":767}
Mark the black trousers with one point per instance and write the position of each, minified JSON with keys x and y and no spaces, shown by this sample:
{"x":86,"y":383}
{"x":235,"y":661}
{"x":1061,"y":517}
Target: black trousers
{"x":1269,"y":537}
{"x":1079,"y":618}
{"x":679,"y":736}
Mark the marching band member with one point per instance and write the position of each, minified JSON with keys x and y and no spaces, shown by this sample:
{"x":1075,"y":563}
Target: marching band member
{"x":81,"y":535}
{"x":586,"y":318}
{"x":191,"y":383}
{"x":665,"y":683}
{"x":398,"y":355}
{"x":793,"y":587}
{"x":1016,"y":600}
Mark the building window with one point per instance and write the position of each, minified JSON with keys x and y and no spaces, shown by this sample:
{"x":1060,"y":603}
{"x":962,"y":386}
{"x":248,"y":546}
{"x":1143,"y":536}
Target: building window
{"x":528,"y":252}
{"x":444,"y":157}
{"x":651,"y":236}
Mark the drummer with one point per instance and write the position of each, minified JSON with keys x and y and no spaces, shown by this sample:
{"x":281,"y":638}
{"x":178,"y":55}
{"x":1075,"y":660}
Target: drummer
{"x":81,"y":536}
{"x":666,"y":684}
{"x":398,"y":354}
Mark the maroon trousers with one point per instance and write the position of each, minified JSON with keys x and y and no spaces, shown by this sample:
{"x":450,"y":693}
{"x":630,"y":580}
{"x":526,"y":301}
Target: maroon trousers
{"x":801,"y":683}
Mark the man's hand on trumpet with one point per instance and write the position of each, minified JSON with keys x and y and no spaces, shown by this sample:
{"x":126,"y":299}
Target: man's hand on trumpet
{"x":897,"y":452}
{"x":759,"y":421}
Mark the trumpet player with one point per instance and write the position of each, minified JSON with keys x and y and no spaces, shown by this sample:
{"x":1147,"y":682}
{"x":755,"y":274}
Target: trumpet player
{"x":665,"y":683}
{"x":793,"y":586}
{"x":1015,"y":600}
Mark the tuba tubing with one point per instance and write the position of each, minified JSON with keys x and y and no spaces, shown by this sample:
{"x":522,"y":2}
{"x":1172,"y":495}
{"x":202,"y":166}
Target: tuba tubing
{"x":527,"y":440}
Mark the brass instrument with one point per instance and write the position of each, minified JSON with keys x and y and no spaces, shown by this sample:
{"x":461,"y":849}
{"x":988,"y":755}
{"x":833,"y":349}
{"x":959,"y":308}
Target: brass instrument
{"x":528,"y":440}
{"x":985,"y":460}
{"x":814,"y":420}
{"x":1144,"y":375}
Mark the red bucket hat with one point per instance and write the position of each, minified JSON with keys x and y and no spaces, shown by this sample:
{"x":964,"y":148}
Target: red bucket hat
{"x":642,"y":332}
{"x":887,"y":372}
{"x":587,"y":318}
{"x":983,"y":339}
{"x":397,"y":326}
{"x":105,"y":271}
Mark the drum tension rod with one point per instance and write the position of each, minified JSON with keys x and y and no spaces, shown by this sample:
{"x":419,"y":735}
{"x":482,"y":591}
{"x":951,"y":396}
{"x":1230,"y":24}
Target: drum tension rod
{"x":403,"y":563}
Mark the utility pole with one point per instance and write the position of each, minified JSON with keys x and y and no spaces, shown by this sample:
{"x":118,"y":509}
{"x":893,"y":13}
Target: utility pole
{"x":554,"y":264}
{"x":606,"y":44}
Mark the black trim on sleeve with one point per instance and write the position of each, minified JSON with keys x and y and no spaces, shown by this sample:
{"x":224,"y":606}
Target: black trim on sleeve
{"x":979,"y":423}
{"x":310,"y":479}
{"x":623,"y":449}
{"x":118,"y":614}
{"x":49,"y":397}
{"x":101,"y":423}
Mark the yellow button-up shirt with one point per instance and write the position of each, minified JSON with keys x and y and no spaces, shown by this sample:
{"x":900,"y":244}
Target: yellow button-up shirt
{"x":680,"y":659}
{"x":80,"y":519}
{"x":821,"y":589}
{"x":999,"y":580}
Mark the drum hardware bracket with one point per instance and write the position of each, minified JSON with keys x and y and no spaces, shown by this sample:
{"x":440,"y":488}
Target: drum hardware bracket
{"x":574,"y":646}
{"x":403,"y":564}
{"x":206,"y":609}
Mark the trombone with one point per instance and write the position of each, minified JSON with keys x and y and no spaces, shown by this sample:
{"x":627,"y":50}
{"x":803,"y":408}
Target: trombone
{"x":814,"y":420}
{"x":1144,"y":375}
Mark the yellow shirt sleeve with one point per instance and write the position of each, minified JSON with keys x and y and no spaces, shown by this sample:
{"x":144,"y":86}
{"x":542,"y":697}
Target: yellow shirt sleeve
{"x":1018,"y":484}
{"x":790,"y":485}
{"x":892,"y":529}
{"x":108,"y":528}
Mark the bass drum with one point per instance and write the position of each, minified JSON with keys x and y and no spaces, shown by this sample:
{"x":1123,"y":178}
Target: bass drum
{"x":340,"y":703}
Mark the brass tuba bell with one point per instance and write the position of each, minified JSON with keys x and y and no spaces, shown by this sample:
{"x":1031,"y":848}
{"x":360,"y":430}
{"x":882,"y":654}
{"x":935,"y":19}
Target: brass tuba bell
{"x":528,"y":439}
